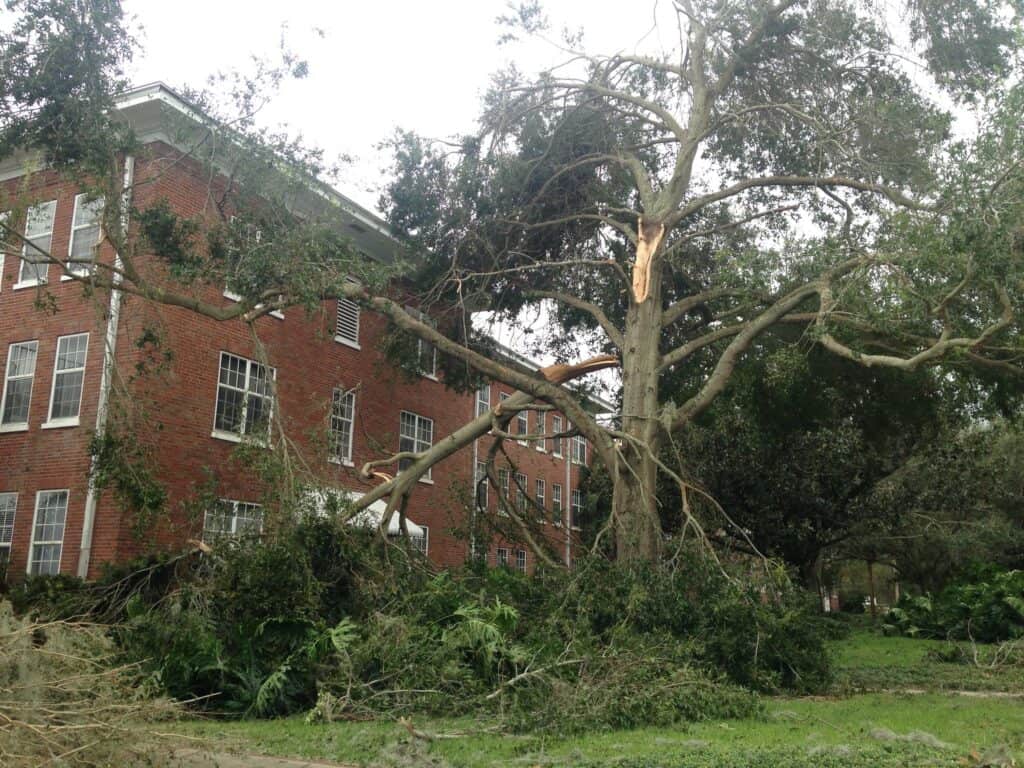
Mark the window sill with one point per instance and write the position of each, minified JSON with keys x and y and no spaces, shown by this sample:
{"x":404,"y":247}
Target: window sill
{"x":426,"y":480}
{"x":347,"y":342}
{"x":27,"y":284}
{"x":431,"y":376}
{"x":59,"y":423}
{"x":230,"y":437}
{"x":76,"y":273}
{"x":541,"y":450}
{"x":341,"y":462}
{"x":14,"y":427}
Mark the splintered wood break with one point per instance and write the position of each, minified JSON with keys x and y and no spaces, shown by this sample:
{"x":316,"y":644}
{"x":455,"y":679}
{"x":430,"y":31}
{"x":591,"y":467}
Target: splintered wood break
{"x":648,"y":240}
{"x":561,"y":373}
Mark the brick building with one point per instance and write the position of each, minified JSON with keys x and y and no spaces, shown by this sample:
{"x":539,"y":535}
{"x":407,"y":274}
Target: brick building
{"x":67,"y":357}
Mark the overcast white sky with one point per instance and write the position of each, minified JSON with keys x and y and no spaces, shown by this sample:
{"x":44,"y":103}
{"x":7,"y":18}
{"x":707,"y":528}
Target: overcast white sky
{"x":407,"y":63}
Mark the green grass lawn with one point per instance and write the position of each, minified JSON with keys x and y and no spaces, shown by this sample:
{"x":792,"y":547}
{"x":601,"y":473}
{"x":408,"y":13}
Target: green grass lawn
{"x":869,"y":661}
{"x":795,"y":732}
{"x":866,"y":729}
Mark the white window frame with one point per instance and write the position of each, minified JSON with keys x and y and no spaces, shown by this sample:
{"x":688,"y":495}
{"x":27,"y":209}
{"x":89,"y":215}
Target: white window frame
{"x":66,"y":421}
{"x":501,"y":556}
{"x":34,"y":542}
{"x":8,"y":506}
{"x":522,"y":501}
{"x":31,"y":283}
{"x":556,"y":503}
{"x":542,"y":427}
{"x":426,"y":319}
{"x":338,"y":397}
{"x":352,"y":311}
{"x":419,"y":445}
{"x":522,"y":426}
{"x":481,"y":487}
{"x":579,"y":450}
{"x":521,"y":560}
{"x":235,"y":506}
{"x":18,"y":426}
{"x":540,"y":491}
{"x":82,"y":270}
{"x":576,"y":507}
{"x":556,"y":428}
{"x":483,"y":399}
{"x":237,"y":437}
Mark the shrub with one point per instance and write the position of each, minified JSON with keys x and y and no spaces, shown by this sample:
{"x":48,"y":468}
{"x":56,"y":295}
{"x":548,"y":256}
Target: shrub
{"x":990,"y":609}
{"x":321,"y":615}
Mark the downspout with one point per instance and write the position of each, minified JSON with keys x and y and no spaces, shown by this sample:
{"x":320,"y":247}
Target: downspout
{"x":567,"y":505}
{"x":106,"y":375}
{"x":473,"y":511}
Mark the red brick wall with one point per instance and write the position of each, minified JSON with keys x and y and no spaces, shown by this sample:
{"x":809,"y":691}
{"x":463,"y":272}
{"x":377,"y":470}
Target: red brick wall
{"x":175,"y":405}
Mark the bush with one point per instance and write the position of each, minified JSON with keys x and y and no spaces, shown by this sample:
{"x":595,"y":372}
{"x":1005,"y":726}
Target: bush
{"x":989,"y":610}
{"x":321,"y":616}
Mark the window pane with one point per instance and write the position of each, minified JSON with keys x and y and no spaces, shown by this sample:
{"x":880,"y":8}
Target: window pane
{"x":71,"y":352}
{"x":48,"y":532}
{"x":8,"y":506}
{"x":229,"y":410}
{"x":232,"y":371}
{"x":22,"y":360}
{"x":19,"y":394}
{"x":67,"y":395}
{"x":342,"y":411}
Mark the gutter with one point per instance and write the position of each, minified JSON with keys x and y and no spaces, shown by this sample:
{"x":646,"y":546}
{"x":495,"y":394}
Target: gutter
{"x":109,"y":359}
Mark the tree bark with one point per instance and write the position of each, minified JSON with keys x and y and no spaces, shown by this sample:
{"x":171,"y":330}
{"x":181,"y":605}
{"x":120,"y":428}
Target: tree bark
{"x":634,"y":506}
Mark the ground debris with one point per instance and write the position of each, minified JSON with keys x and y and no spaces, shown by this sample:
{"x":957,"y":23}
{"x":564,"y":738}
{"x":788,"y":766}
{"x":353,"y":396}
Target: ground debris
{"x":913,"y":737}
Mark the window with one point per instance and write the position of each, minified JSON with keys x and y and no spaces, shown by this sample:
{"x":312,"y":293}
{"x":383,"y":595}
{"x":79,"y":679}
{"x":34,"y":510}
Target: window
{"x":426,"y":353}
{"x":501,"y":556}
{"x":21,"y":368}
{"x":346,"y":328}
{"x":579,"y":449}
{"x":415,"y":435}
{"x":522,"y":425}
{"x":85,"y":234}
{"x":521,"y":500}
{"x":481,"y":481}
{"x":421,"y":543}
{"x":556,"y":427}
{"x":504,"y":481}
{"x":483,"y":399}
{"x":231,"y":519}
{"x":68,"y":375}
{"x":542,"y":427}
{"x":8,"y":506}
{"x":244,"y":398}
{"x":343,"y":410}
{"x":556,"y":503}
{"x":540,"y":499}
{"x":577,"y":508}
{"x":36,"y":252}
{"x":48,"y":533}
{"x":521,"y":560}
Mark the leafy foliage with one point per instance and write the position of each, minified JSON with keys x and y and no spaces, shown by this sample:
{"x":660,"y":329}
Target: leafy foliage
{"x":346,"y":631}
{"x":988,"y":609}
